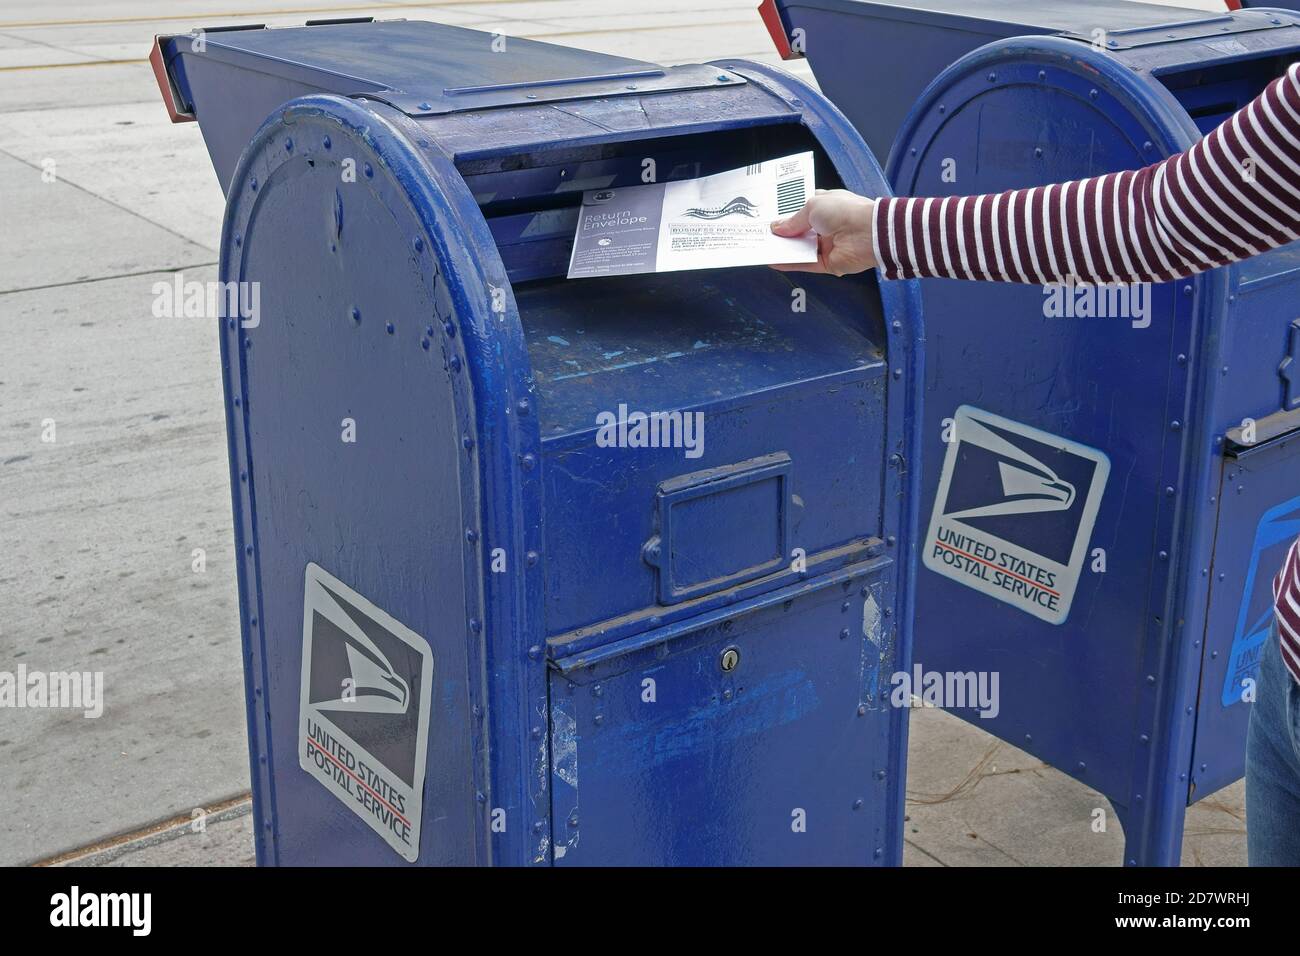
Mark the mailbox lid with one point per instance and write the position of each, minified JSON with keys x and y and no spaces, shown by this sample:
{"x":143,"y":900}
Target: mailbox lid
{"x":426,"y":69}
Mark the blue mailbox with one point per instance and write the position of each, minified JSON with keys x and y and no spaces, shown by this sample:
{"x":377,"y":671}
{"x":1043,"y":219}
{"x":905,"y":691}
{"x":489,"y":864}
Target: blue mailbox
{"x":1151,"y":440}
{"x":474,"y":632}
{"x":874,"y":57}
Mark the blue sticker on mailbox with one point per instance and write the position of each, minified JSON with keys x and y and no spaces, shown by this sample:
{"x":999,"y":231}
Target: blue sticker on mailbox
{"x":1277,"y":529}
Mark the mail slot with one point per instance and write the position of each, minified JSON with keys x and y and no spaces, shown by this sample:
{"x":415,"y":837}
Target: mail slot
{"x":478,"y":629}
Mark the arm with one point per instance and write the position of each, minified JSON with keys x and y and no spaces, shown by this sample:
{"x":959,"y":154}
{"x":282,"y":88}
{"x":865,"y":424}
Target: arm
{"x":1234,"y":194}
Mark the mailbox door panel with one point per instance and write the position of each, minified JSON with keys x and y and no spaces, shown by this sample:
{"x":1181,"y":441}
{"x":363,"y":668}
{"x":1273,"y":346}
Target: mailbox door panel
{"x":665,"y":757}
{"x":1259,"y":518}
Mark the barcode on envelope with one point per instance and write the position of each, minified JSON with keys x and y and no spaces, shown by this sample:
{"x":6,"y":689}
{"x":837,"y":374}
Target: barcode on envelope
{"x":789,"y":196}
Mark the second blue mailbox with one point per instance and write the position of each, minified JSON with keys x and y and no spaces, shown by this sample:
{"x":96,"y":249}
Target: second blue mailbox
{"x":476,"y":630}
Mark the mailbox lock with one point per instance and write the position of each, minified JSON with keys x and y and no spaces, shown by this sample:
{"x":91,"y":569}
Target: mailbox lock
{"x":730,"y":660}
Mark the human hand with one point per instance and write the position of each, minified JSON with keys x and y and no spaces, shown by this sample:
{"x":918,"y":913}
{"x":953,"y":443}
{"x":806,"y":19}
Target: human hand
{"x":842,"y":221}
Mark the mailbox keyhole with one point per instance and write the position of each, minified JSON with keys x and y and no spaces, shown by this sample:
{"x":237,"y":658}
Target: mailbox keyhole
{"x":730,"y":660}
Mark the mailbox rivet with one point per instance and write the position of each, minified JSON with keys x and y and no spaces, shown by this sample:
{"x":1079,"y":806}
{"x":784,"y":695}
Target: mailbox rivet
{"x":477,"y":710}
{"x":993,"y":77}
{"x":1144,"y":738}
{"x":891,"y":541}
{"x":880,"y":775}
{"x":449,"y":329}
{"x":528,"y":461}
{"x":1175,"y":425}
{"x":1082,"y":766}
{"x":535,"y":652}
{"x":898,"y":373}
{"x":369,"y":171}
{"x":467,"y":441}
{"x":1092,"y":94}
{"x":1042,"y":74}
{"x":598,"y":719}
{"x":471,"y":535}
{"x":1151,"y":678}
{"x":480,"y":796}
{"x":1189,"y":711}
{"x":326,"y":142}
{"x":417,"y":244}
{"x":474,"y":625}
{"x":389,"y":328}
{"x":1029,"y":738}
{"x":537,"y":733}
{"x":538,"y":827}
{"x":1169,"y":491}
{"x":597,"y":691}
{"x":844,"y":634}
{"x":730,"y":660}
{"x":531,"y":559}
{"x":1148,"y":146}
{"x":239,"y":240}
{"x":879,"y":853}
{"x":356,"y":314}
{"x":454,"y":362}
{"x":573,"y":820}
{"x":726,"y":694}
{"x":1182,"y":359}
{"x":844,"y":607}
{"x":862,"y":710}
{"x":898,"y":326}
{"x":864,"y":590}
{"x":857,"y":804}
{"x":1038,"y":152}
{"x":524,"y":406}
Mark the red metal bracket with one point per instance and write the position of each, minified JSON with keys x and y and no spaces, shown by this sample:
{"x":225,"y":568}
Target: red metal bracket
{"x":171,"y":99}
{"x":776,"y":29}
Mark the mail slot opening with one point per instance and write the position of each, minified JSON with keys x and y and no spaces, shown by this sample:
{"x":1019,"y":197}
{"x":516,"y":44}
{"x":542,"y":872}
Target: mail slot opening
{"x":531,"y":198}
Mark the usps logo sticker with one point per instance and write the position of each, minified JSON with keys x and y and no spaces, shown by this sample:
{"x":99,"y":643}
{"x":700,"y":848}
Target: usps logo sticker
{"x":1014,"y":512}
{"x":363,"y":725}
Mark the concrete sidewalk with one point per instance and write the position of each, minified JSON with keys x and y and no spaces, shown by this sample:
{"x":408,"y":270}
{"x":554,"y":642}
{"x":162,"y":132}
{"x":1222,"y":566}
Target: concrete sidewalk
{"x":113,"y":474}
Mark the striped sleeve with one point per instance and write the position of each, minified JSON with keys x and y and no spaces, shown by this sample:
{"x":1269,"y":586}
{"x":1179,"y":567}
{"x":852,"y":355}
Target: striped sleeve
{"x":1234,"y":194}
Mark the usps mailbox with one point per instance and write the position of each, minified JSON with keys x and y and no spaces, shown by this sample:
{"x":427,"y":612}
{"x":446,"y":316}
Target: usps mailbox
{"x":1111,"y":478}
{"x":475,"y":630}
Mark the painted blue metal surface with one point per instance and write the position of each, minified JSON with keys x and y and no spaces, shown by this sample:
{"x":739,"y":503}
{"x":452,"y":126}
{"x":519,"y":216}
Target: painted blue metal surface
{"x":873,"y":58}
{"x":1128,"y":693}
{"x":550,"y":575}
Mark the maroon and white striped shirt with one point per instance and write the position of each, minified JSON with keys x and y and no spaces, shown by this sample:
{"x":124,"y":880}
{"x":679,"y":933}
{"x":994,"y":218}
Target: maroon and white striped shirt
{"x":1234,"y":194}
